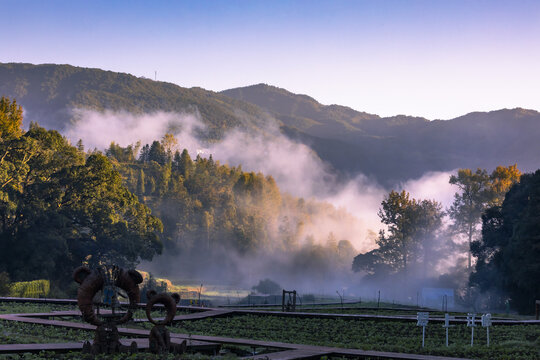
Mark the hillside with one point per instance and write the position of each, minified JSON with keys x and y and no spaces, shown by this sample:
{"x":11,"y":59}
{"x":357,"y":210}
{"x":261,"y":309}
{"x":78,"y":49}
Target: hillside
{"x":391,"y":149}
{"x":401,"y":147}
{"x":49,"y":92}
{"x":329,"y":121}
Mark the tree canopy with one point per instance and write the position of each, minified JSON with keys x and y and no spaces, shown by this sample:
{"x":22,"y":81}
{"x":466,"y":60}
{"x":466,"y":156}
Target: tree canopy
{"x":60,"y":208}
{"x":477,"y":191}
{"x":412,"y":227}
{"x":509,"y":250}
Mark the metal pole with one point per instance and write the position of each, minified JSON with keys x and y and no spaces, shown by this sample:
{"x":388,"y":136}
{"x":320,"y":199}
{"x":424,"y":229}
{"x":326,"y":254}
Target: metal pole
{"x":423,"y":335}
{"x":446,"y":337}
{"x":488,"y":336}
{"x":472,"y":336}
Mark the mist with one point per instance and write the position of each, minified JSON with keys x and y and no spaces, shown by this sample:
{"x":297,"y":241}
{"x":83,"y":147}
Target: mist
{"x":297,"y":170}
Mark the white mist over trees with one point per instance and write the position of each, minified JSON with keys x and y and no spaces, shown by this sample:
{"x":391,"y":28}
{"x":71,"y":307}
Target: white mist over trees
{"x":333,"y":216}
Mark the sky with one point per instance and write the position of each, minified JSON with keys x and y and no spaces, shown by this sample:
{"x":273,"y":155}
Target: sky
{"x":436,"y":59}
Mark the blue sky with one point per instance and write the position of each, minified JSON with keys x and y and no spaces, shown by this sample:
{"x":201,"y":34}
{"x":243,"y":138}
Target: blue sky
{"x":437,"y":59}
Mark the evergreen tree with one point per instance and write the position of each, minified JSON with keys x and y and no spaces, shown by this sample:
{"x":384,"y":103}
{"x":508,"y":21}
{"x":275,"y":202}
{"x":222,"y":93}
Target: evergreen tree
{"x":145,"y":154}
{"x":157,"y":153}
{"x":185,"y":165}
{"x":80,"y":145}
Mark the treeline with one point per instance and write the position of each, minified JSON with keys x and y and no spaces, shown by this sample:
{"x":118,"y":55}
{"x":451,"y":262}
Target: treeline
{"x":207,"y":207}
{"x":489,"y":245}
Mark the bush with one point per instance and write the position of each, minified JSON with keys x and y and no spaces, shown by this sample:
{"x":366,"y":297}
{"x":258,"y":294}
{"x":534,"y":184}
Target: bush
{"x":267,"y":286}
{"x":30,"y":289}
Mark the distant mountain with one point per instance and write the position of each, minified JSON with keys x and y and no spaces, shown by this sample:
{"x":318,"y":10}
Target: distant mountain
{"x":401,"y":147}
{"x":390,"y":149}
{"x":309,"y":116}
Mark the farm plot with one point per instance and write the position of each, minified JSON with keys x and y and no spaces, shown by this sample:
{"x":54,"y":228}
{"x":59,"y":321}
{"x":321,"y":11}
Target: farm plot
{"x":507,"y":342}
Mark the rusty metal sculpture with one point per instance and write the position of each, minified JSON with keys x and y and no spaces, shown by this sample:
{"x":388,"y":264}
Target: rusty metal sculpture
{"x":107,"y":279}
{"x":160,"y":337}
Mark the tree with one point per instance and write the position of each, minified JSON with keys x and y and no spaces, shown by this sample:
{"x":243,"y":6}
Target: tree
{"x":59,"y":210}
{"x":207,"y":224}
{"x":412,"y":227}
{"x":80,"y":145}
{"x":140,"y":184}
{"x":429,"y":222}
{"x":509,"y":248}
{"x":398,"y":212}
{"x":157,"y":153}
{"x":477,"y":191}
{"x":169,"y":144}
{"x":185,"y":166}
{"x":10,"y":119}
{"x":501,"y":180}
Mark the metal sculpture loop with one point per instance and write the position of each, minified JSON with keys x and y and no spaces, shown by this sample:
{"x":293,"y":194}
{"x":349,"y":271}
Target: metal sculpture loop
{"x":164,"y":299}
{"x":160,"y":337}
{"x":107,"y":279}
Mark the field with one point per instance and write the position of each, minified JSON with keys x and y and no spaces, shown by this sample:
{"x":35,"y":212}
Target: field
{"x":507,"y":341}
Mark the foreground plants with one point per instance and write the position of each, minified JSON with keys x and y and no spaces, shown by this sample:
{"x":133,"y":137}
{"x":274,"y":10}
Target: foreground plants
{"x":507,"y":342}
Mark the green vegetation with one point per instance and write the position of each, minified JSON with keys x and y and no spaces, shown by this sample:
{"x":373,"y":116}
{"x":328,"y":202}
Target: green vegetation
{"x":478,"y":191}
{"x":23,"y":308}
{"x":412,"y":226}
{"x":12,"y":332}
{"x":209,"y":209}
{"x":30,"y":289}
{"x":508,"y":252}
{"x":60,"y":208}
{"x":516,"y":342}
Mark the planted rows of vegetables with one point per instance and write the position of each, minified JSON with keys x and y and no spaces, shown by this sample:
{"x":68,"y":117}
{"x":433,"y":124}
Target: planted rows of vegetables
{"x":507,"y":342}
{"x":25,"y":308}
{"x":13,"y":332}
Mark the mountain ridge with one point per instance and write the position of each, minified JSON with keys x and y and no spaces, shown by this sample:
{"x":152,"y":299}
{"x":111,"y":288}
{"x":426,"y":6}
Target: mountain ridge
{"x":390,"y":149}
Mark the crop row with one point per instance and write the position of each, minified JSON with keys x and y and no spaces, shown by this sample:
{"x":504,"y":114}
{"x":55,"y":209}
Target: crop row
{"x":515,"y":342}
{"x":12,"y":332}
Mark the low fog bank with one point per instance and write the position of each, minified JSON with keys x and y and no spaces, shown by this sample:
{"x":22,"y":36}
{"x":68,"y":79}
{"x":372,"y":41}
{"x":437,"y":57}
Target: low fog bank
{"x":298,"y":171}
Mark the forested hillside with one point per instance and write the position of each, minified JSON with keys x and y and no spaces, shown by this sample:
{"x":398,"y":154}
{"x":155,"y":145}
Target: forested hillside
{"x":214,"y":214}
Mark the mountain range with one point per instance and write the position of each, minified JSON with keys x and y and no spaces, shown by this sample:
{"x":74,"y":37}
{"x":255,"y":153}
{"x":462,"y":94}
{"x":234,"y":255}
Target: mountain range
{"x":388,"y":149}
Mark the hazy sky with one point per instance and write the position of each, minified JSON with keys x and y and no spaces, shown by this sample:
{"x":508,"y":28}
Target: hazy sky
{"x":437,"y":59}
